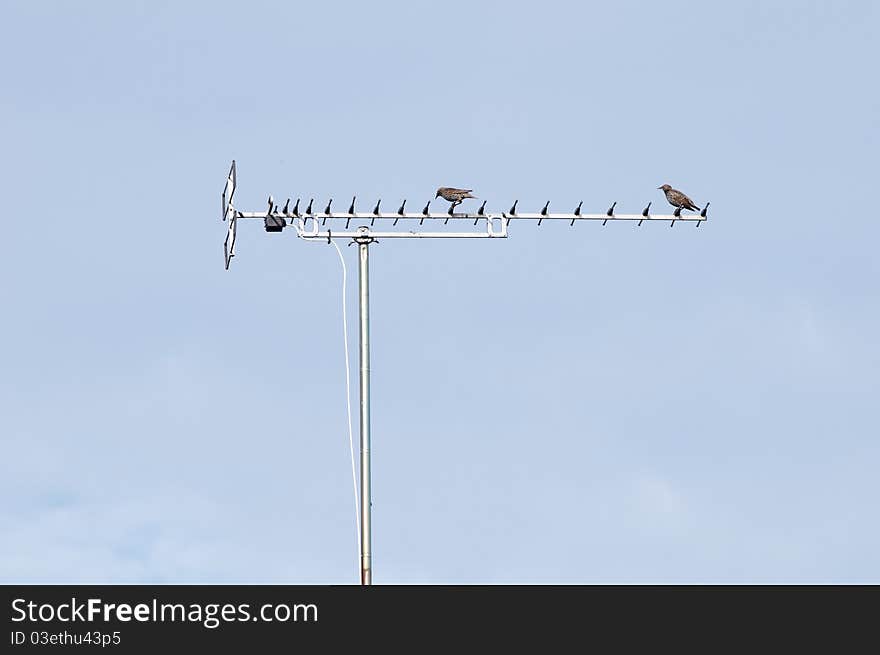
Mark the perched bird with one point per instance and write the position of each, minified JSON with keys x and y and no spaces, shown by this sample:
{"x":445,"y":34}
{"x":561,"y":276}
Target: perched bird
{"x":678,"y":199}
{"x":453,"y":195}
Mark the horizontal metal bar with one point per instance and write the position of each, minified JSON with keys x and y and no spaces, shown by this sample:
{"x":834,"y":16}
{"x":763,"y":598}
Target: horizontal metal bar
{"x":369,"y":216}
{"x":605,"y":217}
{"x":348,"y":234}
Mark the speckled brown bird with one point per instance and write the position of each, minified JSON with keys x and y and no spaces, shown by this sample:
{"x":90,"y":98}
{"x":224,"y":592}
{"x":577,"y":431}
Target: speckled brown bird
{"x":677,"y":199}
{"x":453,"y":195}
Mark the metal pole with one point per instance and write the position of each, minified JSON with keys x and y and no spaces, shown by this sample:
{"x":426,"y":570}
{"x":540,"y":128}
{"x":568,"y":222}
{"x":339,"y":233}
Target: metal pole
{"x":366,"y":502}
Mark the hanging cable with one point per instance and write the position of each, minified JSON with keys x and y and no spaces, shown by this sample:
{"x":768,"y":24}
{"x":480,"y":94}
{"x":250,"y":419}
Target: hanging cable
{"x":357,"y":520}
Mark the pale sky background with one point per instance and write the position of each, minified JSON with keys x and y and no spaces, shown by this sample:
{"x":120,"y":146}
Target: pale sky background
{"x":581,"y":405}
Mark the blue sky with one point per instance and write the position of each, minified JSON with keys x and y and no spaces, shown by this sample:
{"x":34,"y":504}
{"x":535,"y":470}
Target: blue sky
{"x":569,"y":405}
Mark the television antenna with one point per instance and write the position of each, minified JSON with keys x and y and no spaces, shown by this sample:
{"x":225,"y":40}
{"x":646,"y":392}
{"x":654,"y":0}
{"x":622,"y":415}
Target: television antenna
{"x":311,"y":224}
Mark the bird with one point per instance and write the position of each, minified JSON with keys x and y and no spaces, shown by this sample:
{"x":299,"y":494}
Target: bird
{"x":677,"y":198}
{"x":453,"y":195}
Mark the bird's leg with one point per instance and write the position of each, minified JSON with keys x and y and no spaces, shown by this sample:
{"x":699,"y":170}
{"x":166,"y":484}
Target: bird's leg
{"x":449,"y":213}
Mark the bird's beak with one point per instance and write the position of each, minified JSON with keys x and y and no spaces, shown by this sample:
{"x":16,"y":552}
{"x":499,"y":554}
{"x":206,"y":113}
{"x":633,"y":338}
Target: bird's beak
{"x":659,"y":187}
